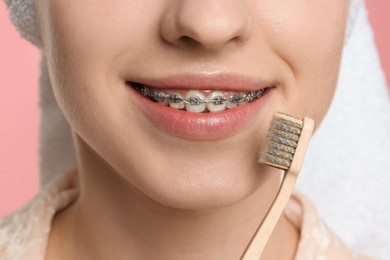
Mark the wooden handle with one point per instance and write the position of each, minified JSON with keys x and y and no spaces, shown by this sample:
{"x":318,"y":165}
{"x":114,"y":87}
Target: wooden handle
{"x":260,"y":238}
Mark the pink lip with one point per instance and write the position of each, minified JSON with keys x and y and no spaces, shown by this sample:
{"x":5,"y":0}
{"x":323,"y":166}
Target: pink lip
{"x":226,"y":81}
{"x":202,"y":126}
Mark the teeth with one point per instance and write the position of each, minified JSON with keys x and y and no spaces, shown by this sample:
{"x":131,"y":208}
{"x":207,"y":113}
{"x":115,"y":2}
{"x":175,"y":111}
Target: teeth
{"x":216,"y":101}
{"x":176,"y":101}
{"x":243,"y":102}
{"x":230,"y":104}
{"x":164,"y":103}
{"x":197,"y":102}
{"x":233,"y":101}
{"x":159,"y":96}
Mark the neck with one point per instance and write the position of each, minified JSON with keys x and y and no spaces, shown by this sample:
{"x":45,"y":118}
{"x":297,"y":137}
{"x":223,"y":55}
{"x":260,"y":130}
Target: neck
{"x":113,"y":220}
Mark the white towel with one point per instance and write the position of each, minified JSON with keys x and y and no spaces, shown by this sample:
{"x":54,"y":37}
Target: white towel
{"x":347,"y":168}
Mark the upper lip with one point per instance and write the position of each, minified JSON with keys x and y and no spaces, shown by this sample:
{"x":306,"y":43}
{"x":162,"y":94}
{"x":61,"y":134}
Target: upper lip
{"x":224,"y":81}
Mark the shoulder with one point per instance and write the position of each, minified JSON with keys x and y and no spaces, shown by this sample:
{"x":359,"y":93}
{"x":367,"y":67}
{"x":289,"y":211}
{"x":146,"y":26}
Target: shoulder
{"x":317,"y":240}
{"x":24,"y":233}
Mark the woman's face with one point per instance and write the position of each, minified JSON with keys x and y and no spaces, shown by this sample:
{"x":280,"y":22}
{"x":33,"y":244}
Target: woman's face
{"x":177,"y":157}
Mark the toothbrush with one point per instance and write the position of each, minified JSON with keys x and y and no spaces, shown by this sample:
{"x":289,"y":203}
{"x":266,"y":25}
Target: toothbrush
{"x":286,"y":145}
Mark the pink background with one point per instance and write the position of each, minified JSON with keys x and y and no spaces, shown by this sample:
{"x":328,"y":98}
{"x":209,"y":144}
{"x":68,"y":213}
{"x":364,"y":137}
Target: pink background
{"x":19,"y":112}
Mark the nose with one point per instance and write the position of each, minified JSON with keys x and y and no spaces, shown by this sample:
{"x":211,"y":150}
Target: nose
{"x":209,"y":23}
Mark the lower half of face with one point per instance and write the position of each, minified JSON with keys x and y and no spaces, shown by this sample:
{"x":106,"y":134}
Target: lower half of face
{"x":177,"y":96}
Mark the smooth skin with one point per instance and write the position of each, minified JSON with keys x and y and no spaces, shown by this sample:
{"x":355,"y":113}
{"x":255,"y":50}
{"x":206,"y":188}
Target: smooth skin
{"x":146,"y":194}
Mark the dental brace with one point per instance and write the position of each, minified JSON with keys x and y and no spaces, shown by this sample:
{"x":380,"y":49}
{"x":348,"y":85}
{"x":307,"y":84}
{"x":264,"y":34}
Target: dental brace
{"x":160,"y":96}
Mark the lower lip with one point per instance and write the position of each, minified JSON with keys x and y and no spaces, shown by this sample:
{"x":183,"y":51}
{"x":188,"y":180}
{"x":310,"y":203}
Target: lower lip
{"x":200,"y":126}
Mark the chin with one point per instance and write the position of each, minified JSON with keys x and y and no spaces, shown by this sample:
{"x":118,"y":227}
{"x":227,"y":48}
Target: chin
{"x":202,"y":188}
{"x":200,"y":197}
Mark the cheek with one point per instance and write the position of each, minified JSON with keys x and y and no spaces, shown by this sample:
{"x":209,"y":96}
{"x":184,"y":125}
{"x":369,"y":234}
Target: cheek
{"x":306,"y":33}
{"x":86,"y":51}
{"x":84,"y":42}
{"x":308,"y":38}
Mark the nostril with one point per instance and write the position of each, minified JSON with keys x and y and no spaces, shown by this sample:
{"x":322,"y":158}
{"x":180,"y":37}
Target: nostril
{"x":187,"y":41}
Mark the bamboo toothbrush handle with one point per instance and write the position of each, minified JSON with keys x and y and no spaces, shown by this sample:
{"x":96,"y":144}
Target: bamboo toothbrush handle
{"x":260,"y":238}
{"x":258,"y":242}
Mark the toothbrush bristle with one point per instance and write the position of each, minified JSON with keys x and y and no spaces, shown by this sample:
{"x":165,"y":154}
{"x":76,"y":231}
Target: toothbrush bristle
{"x":282,"y":140}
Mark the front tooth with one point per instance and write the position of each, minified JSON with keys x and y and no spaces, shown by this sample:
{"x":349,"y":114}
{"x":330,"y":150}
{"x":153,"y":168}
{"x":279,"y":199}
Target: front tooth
{"x":176,"y":101}
{"x":197,"y":101}
{"x":219,"y":103}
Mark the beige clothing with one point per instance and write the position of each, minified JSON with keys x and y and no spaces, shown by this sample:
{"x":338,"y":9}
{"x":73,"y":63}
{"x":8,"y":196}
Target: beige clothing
{"x":24,"y":233}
